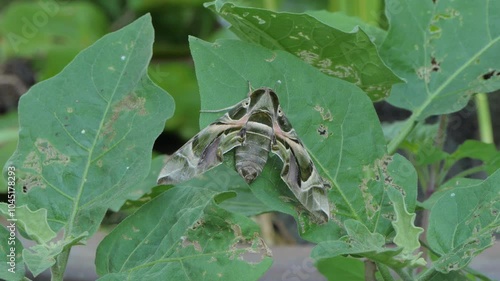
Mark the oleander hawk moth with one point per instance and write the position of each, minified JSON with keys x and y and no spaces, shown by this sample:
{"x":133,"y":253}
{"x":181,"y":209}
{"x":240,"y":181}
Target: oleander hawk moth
{"x":253,"y":127}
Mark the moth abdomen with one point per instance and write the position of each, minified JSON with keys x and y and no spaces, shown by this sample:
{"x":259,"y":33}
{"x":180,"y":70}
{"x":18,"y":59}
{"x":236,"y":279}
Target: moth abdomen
{"x":251,"y":156}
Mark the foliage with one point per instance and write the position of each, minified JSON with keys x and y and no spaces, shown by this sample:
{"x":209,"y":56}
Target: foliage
{"x":86,"y":137}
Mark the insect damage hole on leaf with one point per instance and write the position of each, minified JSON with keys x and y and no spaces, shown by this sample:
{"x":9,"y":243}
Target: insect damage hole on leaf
{"x":326,"y":115}
{"x":435,"y":66}
{"x":490,"y":74}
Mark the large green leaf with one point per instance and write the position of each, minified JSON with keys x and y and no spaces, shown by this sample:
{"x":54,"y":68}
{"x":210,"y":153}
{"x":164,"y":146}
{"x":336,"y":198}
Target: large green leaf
{"x":462,"y":222}
{"x":446,"y":50}
{"x":351,"y":154}
{"x":86,"y":135}
{"x":350,"y":56}
{"x":185,"y":235}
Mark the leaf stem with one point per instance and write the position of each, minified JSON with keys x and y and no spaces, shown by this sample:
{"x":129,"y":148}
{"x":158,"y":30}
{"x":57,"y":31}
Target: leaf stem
{"x":428,"y":274}
{"x":403,"y":274}
{"x":484,"y":117}
{"x":468,"y":172}
{"x":59,"y":267}
{"x":384,"y":271}
{"x":405,"y":131}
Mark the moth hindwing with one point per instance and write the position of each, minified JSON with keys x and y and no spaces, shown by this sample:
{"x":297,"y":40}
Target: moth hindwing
{"x":253,"y":127}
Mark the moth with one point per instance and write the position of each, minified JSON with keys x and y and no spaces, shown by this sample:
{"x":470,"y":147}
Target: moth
{"x":253,"y":128}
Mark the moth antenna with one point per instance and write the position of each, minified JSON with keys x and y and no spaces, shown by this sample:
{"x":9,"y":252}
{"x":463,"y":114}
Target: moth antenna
{"x":216,"y":110}
{"x":249,"y":86}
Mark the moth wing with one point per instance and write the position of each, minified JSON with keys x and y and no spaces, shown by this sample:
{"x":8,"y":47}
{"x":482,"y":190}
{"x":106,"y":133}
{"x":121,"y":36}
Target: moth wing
{"x":201,"y":153}
{"x":300,"y":173}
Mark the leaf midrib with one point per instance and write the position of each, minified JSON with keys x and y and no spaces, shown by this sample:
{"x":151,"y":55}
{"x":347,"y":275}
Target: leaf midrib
{"x":78,"y":196}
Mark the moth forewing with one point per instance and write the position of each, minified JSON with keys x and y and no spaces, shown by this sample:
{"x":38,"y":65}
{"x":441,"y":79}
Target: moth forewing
{"x":204,"y":151}
{"x":299,"y":171}
{"x":312,"y":193}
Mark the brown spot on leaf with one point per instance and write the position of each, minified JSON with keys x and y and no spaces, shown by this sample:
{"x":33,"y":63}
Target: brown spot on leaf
{"x":326,"y":115}
{"x":50,"y":154}
{"x":130,"y":103}
{"x":33,"y":162}
{"x":31,"y":181}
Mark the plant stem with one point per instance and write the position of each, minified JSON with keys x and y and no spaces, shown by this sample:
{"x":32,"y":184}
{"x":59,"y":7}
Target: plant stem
{"x":405,"y":131}
{"x":427,"y":275}
{"x":469,"y":171}
{"x":384,"y":271}
{"x":59,"y":267}
{"x":484,"y":118}
{"x":403,"y":274}
{"x":370,"y":270}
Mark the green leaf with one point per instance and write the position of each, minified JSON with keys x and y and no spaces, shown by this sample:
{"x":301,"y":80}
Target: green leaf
{"x":407,"y":234}
{"x":485,"y":152}
{"x":446,"y":50}
{"x":350,"y":56}
{"x":11,"y":259}
{"x":359,"y":241}
{"x":353,"y":141}
{"x":33,"y":223}
{"x":144,"y":187}
{"x":342,"y":268}
{"x":395,"y":179}
{"x":462,"y":223}
{"x":86,"y":135}
{"x":446,"y":187}
{"x":42,"y":256}
{"x":348,"y":24}
{"x":185,"y":235}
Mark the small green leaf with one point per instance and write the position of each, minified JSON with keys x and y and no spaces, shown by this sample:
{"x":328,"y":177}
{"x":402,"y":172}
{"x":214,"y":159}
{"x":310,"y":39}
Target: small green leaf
{"x":485,"y":152}
{"x":185,"y":235}
{"x":359,"y":241}
{"x":350,"y":56}
{"x":34,"y":223}
{"x":407,"y":234}
{"x":446,"y":50}
{"x":40,"y":257}
{"x":462,"y":223}
{"x":342,"y":268}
